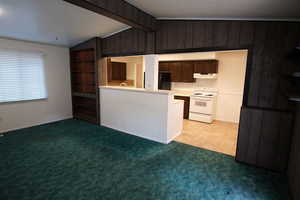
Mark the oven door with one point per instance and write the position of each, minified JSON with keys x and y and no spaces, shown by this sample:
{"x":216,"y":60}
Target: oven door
{"x":201,"y":105}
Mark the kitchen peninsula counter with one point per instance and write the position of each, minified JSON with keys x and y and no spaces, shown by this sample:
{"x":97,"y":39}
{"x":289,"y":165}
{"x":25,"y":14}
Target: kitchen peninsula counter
{"x":150,"y":114}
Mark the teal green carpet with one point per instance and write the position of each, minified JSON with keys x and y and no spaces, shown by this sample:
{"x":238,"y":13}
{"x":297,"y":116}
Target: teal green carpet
{"x":72,"y":160}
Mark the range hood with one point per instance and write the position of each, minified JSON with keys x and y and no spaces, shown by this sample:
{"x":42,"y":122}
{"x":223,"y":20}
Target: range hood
{"x":205,"y":76}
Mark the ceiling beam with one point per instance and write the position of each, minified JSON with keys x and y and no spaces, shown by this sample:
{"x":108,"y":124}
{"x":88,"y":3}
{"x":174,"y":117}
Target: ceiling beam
{"x":119,"y":10}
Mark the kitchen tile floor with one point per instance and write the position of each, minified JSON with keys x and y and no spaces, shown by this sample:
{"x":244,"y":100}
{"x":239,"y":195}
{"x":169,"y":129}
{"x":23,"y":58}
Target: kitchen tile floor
{"x":218,"y":136}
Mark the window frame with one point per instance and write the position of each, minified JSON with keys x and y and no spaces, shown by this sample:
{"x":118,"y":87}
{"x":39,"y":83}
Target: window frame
{"x":43,"y":57}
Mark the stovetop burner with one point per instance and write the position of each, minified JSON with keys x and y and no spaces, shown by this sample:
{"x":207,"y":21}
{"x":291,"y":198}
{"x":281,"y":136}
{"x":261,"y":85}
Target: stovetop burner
{"x":200,"y":94}
{"x":205,"y":92}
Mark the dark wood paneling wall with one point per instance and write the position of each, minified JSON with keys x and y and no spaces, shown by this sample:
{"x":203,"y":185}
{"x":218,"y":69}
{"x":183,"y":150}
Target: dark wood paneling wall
{"x":129,"y":42}
{"x":264,"y":138}
{"x":294,"y":164}
{"x":119,"y":10}
{"x":265,"y":125}
{"x":206,"y":66}
{"x":265,"y":102}
{"x":84,"y":59}
{"x":268,"y":44}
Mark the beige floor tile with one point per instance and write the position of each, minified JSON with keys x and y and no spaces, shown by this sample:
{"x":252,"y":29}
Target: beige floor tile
{"x":218,"y":136}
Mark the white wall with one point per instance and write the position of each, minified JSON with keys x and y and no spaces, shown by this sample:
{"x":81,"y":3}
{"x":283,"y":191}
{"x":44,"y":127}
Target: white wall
{"x":147,"y":114}
{"x":130,"y":71}
{"x":57,"y":106}
{"x":230,"y":82}
{"x":151,"y":71}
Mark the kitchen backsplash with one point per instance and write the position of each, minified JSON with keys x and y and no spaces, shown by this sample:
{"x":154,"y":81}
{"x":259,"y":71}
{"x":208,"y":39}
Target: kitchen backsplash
{"x":193,"y":86}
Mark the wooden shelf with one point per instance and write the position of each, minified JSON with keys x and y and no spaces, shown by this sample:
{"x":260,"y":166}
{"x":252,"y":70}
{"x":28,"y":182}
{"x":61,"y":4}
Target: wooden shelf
{"x":295,"y":98}
{"x":86,"y":95}
{"x":296,"y":75}
{"x":85,"y":117}
{"x":83,"y":61}
{"x":293,"y":76}
{"x":91,"y":72}
{"x":83,"y":84}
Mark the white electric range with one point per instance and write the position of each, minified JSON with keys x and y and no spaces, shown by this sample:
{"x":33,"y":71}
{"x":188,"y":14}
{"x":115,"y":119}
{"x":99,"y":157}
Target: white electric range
{"x":203,"y":105}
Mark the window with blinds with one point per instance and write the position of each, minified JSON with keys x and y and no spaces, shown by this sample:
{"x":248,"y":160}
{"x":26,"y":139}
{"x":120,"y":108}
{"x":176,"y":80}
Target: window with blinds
{"x":22,"y":76}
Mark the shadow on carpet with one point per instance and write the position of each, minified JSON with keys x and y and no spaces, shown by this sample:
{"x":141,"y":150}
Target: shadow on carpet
{"x":72,"y":159}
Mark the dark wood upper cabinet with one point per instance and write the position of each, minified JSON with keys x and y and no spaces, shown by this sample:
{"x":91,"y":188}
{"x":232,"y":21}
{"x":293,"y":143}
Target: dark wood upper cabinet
{"x":187,"y":72}
{"x":183,"y":71}
{"x":175,"y":69}
{"x":164,"y":67}
{"x":118,"y":71}
{"x":206,"y":66}
{"x":213,"y":66}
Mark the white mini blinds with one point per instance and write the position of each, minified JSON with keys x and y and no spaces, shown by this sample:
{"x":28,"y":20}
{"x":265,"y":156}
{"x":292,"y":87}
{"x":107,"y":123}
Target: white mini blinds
{"x":21,"y":76}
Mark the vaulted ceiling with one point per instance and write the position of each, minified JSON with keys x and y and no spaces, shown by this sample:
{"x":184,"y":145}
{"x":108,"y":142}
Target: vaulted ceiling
{"x":61,"y":23}
{"x":53,"y":22}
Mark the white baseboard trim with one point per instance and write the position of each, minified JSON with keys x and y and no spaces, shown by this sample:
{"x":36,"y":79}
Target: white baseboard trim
{"x":36,"y":124}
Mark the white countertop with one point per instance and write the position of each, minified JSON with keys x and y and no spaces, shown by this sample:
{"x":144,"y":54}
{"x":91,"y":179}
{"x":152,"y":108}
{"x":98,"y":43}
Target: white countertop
{"x":132,"y":89}
{"x":185,"y":93}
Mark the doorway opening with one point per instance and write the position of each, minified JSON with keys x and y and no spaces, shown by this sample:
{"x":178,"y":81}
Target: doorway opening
{"x":211,"y":84}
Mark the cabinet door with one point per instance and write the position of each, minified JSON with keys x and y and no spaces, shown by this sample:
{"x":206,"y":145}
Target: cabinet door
{"x":186,"y":108}
{"x":187,"y":72}
{"x":206,"y":66}
{"x":199,"y":67}
{"x":123,"y":71}
{"x":118,"y":71}
{"x":163,"y":67}
{"x":213,"y":66}
{"x":175,"y":69}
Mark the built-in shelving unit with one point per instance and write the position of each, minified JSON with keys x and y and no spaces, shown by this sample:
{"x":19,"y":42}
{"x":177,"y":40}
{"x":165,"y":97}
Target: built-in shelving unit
{"x":84,"y":81}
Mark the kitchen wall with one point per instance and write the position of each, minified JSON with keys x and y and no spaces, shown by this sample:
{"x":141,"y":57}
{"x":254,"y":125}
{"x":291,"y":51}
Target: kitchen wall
{"x":230,"y":82}
{"x":58,"y":104}
{"x":130,"y":71}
